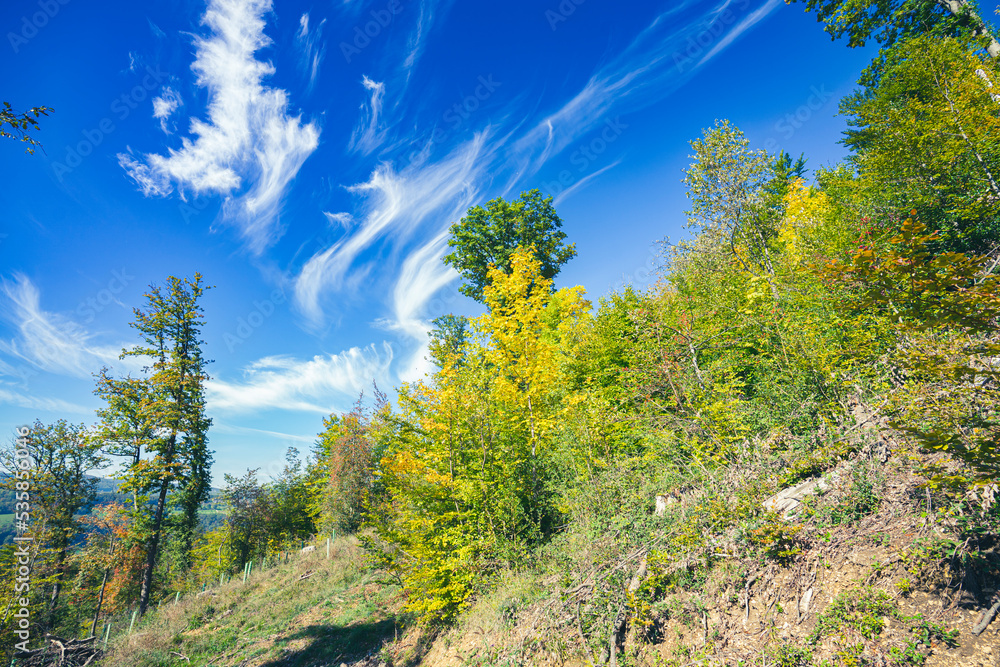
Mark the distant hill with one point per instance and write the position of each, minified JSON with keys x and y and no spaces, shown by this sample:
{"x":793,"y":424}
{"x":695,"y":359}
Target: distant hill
{"x":212,"y":511}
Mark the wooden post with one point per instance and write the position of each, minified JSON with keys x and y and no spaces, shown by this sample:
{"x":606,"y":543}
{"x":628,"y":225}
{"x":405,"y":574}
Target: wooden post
{"x":132,"y":624}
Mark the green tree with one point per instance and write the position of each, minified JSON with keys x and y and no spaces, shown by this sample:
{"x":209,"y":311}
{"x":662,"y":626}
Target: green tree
{"x":346,"y":467}
{"x":488,"y":236}
{"x":448,"y":339}
{"x":63,"y":457}
{"x":249,"y":516}
{"x":944,"y":306}
{"x":128,"y":423}
{"x":292,"y":512}
{"x":927,"y":136}
{"x":466,"y":472}
{"x":16,"y":125}
{"x":890,"y":21}
{"x":728,"y":188}
{"x":172,"y":400}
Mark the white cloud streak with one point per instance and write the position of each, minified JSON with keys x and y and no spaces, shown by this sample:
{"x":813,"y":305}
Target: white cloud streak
{"x":430,"y":11}
{"x":311,"y":49}
{"x":653,"y":65}
{"x":249,"y":136}
{"x":165,"y":105}
{"x":321,"y":385}
{"x":47,"y":341}
{"x":398,"y":202}
{"x":367,"y":135}
{"x":579,"y":185}
{"x":750,"y":21}
{"x":55,"y":405}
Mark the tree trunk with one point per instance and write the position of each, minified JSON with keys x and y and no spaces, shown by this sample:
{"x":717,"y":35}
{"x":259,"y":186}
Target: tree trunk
{"x":100,"y":601}
{"x":154,"y":543}
{"x":100,"y":594}
{"x":959,"y":6}
{"x":57,"y":585}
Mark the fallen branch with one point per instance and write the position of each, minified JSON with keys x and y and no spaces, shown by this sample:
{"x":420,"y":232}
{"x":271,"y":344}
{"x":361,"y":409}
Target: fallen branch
{"x":986,"y":619}
{"x":72,"y":653}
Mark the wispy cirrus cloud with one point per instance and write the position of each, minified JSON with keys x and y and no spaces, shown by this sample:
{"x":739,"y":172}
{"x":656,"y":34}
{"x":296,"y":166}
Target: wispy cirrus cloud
{"x":747,"y":23}
{"x":48,"y":341}
{"x":164,"y":105}
{"x":653,"y":65}
{"x":430,"y":192}
{"x":422,"y":275}
{"x":322,"y":384}
{"x":430,"y":12}
{"x":250,"y":141}
{"x":56,"y":405}
{"x":222,"y":427}
{"x":311,"y":49}
{"x":368,"y":135}
{"x":396,"y":203}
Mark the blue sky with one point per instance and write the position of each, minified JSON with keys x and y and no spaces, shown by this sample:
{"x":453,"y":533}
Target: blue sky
{"x":308,"y":158}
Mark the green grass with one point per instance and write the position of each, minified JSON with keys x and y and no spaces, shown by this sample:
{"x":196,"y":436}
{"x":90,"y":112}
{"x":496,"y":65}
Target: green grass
{"x":338,"y":613}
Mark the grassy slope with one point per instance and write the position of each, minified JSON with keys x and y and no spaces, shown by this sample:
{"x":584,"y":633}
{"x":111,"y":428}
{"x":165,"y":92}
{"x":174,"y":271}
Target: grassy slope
{"x":864,"y":576}
{"x":339,"y":612}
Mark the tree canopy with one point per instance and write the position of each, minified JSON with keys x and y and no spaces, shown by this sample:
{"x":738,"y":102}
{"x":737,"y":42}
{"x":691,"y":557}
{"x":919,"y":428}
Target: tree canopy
{"x":488,"y":236}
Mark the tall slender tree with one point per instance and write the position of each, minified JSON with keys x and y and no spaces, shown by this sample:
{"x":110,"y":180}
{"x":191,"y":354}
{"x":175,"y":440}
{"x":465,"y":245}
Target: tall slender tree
{"x":165,"y":413}
{"x":728,"y":188}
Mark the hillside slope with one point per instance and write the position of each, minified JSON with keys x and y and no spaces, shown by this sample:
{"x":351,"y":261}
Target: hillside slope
{"x":308,"y":610}
{"x":865,"y":565}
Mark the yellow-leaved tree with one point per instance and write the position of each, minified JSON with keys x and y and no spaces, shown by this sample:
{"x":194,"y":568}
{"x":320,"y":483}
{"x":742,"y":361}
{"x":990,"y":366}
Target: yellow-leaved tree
{"x":463,"y":474}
